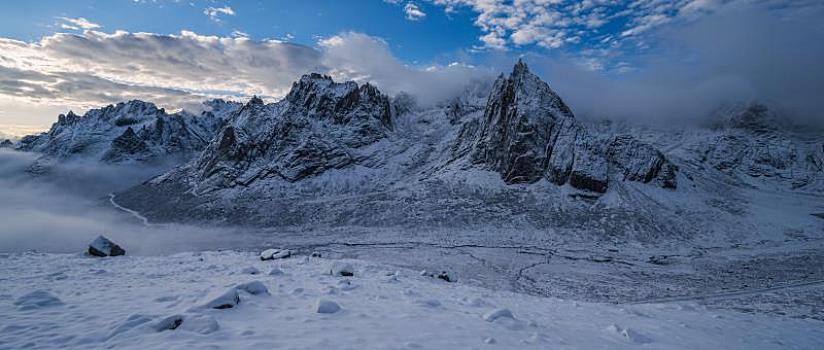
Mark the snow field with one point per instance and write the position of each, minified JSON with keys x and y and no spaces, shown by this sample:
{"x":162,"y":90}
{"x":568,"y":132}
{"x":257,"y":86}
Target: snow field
{"x":182,"y":301}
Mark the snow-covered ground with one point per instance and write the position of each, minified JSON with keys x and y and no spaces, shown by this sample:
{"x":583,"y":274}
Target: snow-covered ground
{"x":152,"y":302}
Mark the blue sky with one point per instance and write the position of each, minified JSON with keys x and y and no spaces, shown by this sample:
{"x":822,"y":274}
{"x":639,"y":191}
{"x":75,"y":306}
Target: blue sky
{"x":436,"y":35}
{"x":605,"y":57}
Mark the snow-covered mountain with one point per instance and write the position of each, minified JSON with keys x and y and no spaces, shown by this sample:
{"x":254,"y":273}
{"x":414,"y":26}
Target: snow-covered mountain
{"x":133,"y":131}
{"x":527,"y":133}
{"x":755,"y":143}
{"x":343,"y":154}
{"x":506,"y":154}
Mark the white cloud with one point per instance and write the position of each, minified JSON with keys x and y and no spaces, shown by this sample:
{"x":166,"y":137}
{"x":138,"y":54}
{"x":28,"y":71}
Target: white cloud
{"x":77,"y":23}
{"x":214,"y":13}
{"x":413,"y":12}
{"x":555,"y":23}
{"x":91,"y":69}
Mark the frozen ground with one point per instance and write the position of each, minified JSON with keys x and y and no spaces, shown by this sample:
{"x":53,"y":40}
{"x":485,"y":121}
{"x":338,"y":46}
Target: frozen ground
{"x":75,"y":301}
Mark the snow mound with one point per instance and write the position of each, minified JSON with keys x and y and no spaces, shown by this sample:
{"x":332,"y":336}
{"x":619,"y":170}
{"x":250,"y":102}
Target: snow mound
{"x":36,"y":300}
{"x":324,"y":306}
{"x":275,"y":272}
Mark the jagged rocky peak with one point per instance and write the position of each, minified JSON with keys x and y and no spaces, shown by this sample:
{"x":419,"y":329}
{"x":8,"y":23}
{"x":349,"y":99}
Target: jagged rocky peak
{"x":528,"y":133}
{"x":523,"y":117}
{"x":68,"y":118}
{"x":322,"y":97}
{"x":315,"y":128}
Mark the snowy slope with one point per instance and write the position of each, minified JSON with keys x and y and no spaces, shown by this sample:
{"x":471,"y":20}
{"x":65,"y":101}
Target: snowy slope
{"x":74,"y":301}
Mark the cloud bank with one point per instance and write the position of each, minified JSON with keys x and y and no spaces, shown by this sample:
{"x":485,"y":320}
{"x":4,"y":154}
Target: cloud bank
{"x":737,"y":54}
{"x":180,"y":71}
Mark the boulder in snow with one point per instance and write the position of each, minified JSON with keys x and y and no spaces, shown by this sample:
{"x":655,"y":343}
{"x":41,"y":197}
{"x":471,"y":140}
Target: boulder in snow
{"x":226,"y":300}
{"x":102,"y":247}
{"x":443,"y":275}
{"x":271,"y":254}
{"x":661,"y":260}
{"x":254,"y":288}
{"x":276,"y":272}
{"x":496,"y":314}
{"x":342,"y":269}
{"x":324,"y":306}
{"x":169,"y":323}
{"x":203,"y":324}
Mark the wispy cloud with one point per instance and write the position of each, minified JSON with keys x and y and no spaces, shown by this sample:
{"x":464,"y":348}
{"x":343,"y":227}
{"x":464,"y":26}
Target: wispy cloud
{"x":413,"y":12}
{"x":554,"y":24}
{"x":214,"y":13}
{"x":77,"y":23}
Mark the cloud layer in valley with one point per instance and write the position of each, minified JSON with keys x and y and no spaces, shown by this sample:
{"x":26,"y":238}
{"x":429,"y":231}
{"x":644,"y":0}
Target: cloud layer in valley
{"x":65,"y":210}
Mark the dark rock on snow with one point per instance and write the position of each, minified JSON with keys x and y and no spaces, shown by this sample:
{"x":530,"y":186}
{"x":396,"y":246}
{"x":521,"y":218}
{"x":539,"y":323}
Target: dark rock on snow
{"x":103,"y":247}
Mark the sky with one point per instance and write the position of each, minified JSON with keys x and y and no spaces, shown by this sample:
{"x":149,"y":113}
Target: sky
{"x":652,"y":59}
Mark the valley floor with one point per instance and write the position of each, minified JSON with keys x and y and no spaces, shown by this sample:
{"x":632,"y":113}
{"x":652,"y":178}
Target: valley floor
{"x":76,"y":301}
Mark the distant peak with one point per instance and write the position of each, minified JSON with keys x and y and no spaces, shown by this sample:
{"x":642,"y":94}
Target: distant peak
{"x":520,"y":68}
{"x":315,"y":76}
{"x":255,"y":100}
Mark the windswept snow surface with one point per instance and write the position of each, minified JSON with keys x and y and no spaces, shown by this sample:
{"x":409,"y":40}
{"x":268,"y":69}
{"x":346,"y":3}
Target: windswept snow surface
{"x":136,"y":302}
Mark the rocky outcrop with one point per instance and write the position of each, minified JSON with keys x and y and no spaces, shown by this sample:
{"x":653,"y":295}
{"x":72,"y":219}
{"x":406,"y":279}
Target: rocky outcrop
{"x":315,"y":128}
{"x":528,"y":133}
{"x":6,"y":143}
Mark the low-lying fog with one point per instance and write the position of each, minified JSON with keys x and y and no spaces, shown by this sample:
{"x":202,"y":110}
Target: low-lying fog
{"x":66,"y":209}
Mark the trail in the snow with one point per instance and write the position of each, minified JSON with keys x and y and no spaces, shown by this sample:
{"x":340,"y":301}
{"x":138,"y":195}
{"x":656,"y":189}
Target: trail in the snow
{"x":731,"y":294}
{"x":137,"y":215}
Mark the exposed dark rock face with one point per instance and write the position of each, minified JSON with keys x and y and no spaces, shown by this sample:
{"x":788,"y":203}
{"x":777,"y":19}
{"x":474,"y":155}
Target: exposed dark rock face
{"x":641,"y":162}
{"x":127,"y":144}
{"x":6,"y":144}
{"x":314,"y":129}
{"x":527,"y":133}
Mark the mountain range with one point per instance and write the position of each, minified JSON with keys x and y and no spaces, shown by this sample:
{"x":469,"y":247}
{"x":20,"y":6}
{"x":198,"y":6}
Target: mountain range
{"x":511,"y":154}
